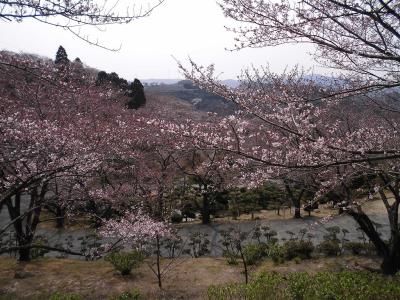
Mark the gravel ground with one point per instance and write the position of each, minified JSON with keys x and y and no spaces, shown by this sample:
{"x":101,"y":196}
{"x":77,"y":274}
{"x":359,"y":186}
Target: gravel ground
{"x":313,"y":224}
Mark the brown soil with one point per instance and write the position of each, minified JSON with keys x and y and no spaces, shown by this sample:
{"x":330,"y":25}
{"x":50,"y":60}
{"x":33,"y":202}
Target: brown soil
{"x":188,"y":280}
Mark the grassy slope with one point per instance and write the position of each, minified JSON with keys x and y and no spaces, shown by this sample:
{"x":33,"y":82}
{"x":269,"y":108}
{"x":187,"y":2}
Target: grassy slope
{"x":98,"y":280}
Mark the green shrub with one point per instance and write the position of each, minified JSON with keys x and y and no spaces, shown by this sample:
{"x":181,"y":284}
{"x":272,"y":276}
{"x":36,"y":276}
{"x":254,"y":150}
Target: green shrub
{"x":253,"y":253}
{"x":277,"y":253}
{"x":329,"y":248}
{"x":132,"y":295}
{"x":38,"y":252}
{"x":232,"y":257}
{"x":298,"y":248}
{"x":176,"y":218}
{"x":356,"y":248}
{"x":345,"y":285}
{"x":124,"y":262}
{"x":65,"y":296}
{"x":298,"y":283}
{"x":297,"y":260}
{"x":359,"y":248}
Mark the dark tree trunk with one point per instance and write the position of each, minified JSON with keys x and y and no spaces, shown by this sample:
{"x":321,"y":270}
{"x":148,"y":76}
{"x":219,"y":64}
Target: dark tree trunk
{"x":206,"y":210}
{"x":14,"y":210}
{"x":60,"y":217}
{"x":159,"y":278}
{"x":24,"y":254}
{"x":391,"y":263}
{"x":245,"y":270}
{"x":25,"y":234}
{"x":390,"y":253}
{"x":296,"y":201}
{"x":368,"y":227}
{"x":297,"y":214}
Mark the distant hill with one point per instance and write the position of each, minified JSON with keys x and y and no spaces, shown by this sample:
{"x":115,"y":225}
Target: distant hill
{"x":153,"y":81}
{"x":233,"y":83}
{"x":199,"y":99}
{"x":164,"y":106}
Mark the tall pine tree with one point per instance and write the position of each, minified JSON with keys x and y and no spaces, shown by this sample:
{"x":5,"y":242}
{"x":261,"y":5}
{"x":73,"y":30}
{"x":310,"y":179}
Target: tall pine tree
{"x":138,"y":97}
{"x":61,"y":56}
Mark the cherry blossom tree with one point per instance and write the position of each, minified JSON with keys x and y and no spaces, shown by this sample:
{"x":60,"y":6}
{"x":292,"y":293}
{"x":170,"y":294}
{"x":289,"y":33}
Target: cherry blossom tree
{"x":59,"y":131}
{"x":134,"y":229}
{"x":75,"y":14}
{"x":288,"y":124}
{"x":207,"y":173}
{"x":357,"y":36}
{"x":138,"y":230}
{"x":279,"y":133}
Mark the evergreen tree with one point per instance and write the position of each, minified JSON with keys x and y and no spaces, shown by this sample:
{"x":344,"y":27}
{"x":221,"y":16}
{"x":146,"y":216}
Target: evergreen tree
{"x":101,"y":77}
{"x":61,"y":56}
{"x":114,"y":78}
{"x":138,"y":97}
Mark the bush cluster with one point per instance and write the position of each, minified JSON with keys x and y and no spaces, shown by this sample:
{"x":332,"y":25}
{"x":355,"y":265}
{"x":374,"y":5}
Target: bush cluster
{"x":298,"y":248}
{"x":277,"y":253}
{"x":253,"y":253}
{"x":294,"y":249}
{"x":124,"y":262}
{"x":359,"y":248}
{"x":176,"y":218}
{"x":330,"y":248}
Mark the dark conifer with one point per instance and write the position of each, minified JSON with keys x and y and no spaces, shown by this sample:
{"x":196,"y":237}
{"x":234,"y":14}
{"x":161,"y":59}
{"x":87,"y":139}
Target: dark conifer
{"x":61,"y":56}
{"x":138,"y":97}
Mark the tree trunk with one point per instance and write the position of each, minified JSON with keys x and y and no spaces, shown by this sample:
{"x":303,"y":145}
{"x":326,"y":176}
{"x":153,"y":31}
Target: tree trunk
{"x":24,"y":237}
{"x":14,"y":211}
{"x":368,"y":227}
{"x":24,"y":254}
{"x":60,"y":217}
{"x":297,"y":214}
{"x":390,"y":253}
{"x":158,"y":264}
{"x":245,"y":270}
{"x":295,"y":201}
{"x":391,"y":263}
{"x":205,"y":214}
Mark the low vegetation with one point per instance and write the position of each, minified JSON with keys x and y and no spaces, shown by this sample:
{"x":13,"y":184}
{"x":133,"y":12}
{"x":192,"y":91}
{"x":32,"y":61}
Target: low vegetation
{"x":124,"y":262}
{"x":76,"y":279}
{"x":344,"y":285}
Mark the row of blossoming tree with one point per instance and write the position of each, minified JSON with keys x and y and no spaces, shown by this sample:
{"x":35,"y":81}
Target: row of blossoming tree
{"x":59,"y":132}
{"x":68,"y":142}
{"x":326,"y":135}
{"x":72,"y":147}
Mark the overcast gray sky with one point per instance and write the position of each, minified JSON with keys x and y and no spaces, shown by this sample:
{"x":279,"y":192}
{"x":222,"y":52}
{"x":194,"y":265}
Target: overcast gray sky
{"x":179,"y":28}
